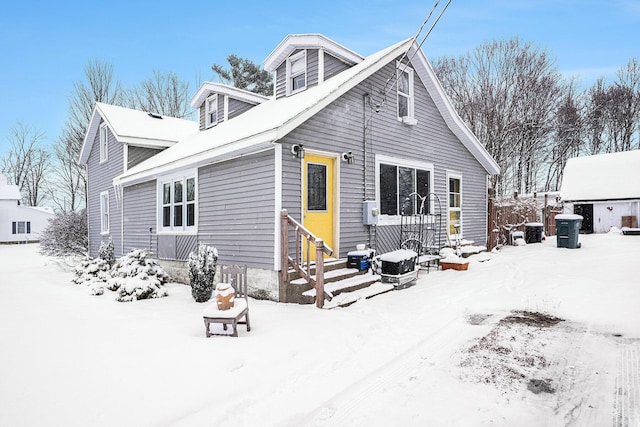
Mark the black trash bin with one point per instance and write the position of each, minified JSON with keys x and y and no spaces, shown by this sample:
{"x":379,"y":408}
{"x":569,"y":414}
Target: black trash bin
{"x":533,"y":232}
{"x":568,"y":230}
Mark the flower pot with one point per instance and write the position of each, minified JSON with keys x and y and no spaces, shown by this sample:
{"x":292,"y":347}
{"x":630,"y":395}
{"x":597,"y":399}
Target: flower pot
{"x":459,"y":266}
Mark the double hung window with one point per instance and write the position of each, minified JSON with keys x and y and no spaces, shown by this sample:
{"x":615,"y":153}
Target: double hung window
{"x":104,"y":143}
{"x":405,"y":92}
{"x":297,"y":72}
{"x":104,"y":212}
{"x":21,"y":227}
{"x":211,"y":110}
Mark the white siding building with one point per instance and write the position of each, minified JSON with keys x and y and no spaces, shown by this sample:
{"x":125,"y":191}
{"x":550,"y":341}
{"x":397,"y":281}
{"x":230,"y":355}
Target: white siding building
{"x":19,"y":223}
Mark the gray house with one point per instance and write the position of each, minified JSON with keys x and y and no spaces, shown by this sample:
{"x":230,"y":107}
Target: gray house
{"x":342,"y":138}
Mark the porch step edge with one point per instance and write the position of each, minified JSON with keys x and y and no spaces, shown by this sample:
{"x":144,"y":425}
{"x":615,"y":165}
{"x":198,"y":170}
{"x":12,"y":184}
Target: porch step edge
{"x":347,"y":298}
{"x":345,"y":285}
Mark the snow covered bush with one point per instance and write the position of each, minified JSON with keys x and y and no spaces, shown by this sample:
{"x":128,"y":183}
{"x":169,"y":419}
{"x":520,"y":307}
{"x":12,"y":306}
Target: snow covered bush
{"x":106,"y":252}
{"x":66,"y":234}
{"x":137,"y":276}
{"x":91,"y":270}
{"x":202,"y":270}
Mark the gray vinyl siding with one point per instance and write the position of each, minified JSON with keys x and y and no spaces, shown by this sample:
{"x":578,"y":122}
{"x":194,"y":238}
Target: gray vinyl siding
{"x":281,"y":80}
{"x":339,"y":128}
{"x":237,"y":209}
{"x":99,"y":179}
{"x":237,"y":107}
{"x":137,"y":155}
{"x":201,"y":116}
{"x":139,"y":217}
{"x":312,"y":67}
{"x":332,"y":66}
{"x":312,"y":72}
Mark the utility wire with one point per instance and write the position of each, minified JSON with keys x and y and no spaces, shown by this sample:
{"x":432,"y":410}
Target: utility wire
{"x":394,"y":77}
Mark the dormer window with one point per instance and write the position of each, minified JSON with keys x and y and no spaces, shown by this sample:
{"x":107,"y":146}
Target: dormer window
{"x":297,"y":72}
{"x":211,"y":110}
{"x":405,"y":94}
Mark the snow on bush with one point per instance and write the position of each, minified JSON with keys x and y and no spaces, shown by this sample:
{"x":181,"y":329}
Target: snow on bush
{"x":106,"y":252}
{"x":66,"y":234}
{"x":93,"y":272}
{"x":202,"y":270}
{"x":137,"y":276}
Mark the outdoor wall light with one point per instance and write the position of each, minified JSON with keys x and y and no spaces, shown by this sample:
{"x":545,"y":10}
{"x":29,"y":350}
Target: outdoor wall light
{"x":297,"y":150}
{"x":347,"y":157}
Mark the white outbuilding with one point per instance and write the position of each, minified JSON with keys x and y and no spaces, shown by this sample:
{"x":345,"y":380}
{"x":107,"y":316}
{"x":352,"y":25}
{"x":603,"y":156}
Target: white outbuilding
{"x":604,"y":189}
{"x":20,"y":223}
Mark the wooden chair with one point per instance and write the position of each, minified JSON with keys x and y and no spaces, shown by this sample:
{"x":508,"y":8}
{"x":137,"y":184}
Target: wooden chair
{"x":236,"y":276}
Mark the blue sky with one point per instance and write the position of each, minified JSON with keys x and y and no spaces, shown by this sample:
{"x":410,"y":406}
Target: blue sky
{"x":45,"y":45}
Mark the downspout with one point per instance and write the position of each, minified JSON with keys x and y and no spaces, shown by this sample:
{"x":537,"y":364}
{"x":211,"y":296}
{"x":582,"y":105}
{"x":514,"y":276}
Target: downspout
{"x":365,"y":97}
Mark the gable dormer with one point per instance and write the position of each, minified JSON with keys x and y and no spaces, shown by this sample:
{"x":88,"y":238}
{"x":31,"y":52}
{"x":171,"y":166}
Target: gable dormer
{"x":304,"y":60}
{"x":217,"y":102}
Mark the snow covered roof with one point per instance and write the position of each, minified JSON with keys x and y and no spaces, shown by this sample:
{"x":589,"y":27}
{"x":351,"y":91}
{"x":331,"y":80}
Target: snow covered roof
{"x":270,"y":121}
{"x":208,"y":88}
{"x":602,"y":177}
{"x":8,"y":191}
{"x":293,"y":42}
{"x":136,"y":127}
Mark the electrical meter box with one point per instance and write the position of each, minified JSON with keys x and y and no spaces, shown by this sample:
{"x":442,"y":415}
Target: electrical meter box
{"x":370,"y":212}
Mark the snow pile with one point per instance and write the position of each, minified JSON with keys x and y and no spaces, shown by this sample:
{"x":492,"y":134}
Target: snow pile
{"x":137,"y":276}
{"x":449,"y":255}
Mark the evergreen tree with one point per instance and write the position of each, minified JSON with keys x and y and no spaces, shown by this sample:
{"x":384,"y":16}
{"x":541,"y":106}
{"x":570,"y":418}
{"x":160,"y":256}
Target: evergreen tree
{"x":245,"y":74}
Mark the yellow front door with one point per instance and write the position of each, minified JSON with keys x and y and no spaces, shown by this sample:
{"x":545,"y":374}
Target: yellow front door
{"x":317,"y":195}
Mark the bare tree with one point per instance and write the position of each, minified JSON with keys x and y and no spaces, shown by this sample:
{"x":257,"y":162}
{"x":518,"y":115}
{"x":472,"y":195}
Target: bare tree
{"x":67,"y":186}
{"x":162,"y":94}
{"x":98,"y":85}
{"x":568,"y":136}
{"x":27,"y":163}
{"x":506,"y":92}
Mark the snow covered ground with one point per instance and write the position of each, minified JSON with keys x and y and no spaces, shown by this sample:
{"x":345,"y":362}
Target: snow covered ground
{"x":434,"y":354}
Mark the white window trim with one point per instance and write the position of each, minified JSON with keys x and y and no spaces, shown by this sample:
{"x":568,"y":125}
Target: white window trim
{"x":409,"y":119}
{"x":207,"y":111}
{"x":396,"y":219}
{"x":458,"y":176}
{"x":104,"y":209}
{"x":291,"y":59}
{"x":104,"y":142}
{"x":184,"y":229}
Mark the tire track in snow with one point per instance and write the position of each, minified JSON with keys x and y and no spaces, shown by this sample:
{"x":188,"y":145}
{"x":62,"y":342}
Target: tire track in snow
{"x":626,"y":411}
{"x":339,"y":410}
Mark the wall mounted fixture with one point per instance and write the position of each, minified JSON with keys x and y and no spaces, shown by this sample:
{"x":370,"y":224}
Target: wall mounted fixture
{"x":347,"y":157}
{"x":297,"y":150}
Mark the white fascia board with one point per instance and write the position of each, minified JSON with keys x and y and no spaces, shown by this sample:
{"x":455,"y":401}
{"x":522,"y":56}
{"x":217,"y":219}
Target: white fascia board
{"x":451,"y":117}
{"x":308,"y":41}
{"x":89,"y":136}
{"x":146,"y":142}
{"x":255,"y":143}
{"x":208,"y":88}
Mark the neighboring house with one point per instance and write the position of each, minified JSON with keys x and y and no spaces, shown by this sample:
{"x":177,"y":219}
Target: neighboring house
{"x":604,"y":190}
{"x":20,"y":223}
{"x":340,"y":130}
